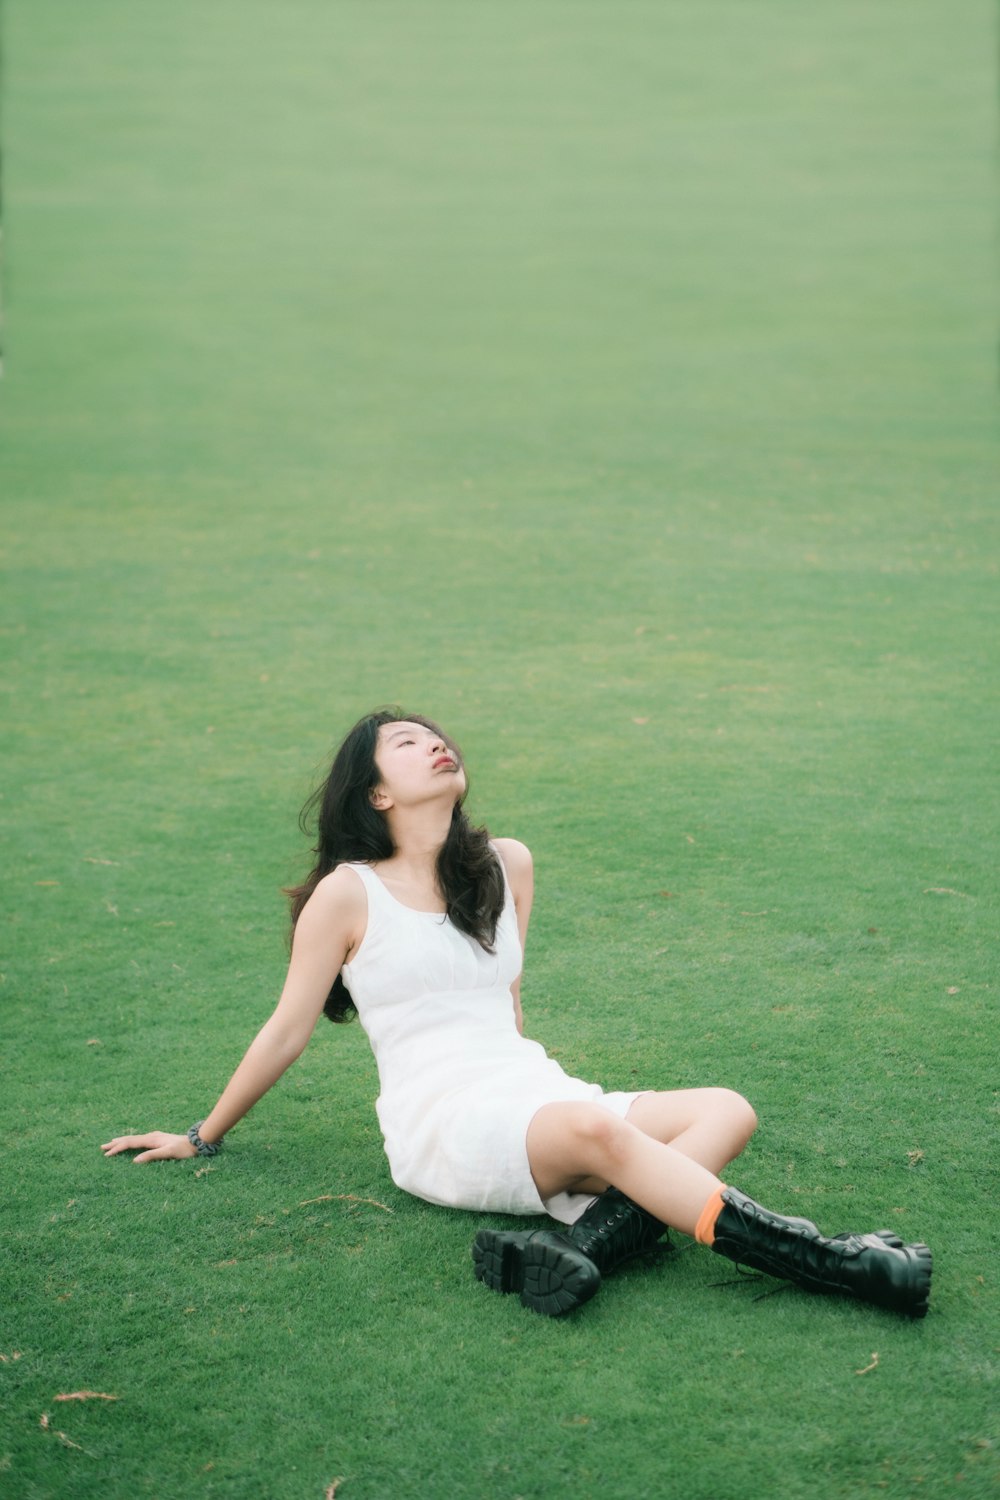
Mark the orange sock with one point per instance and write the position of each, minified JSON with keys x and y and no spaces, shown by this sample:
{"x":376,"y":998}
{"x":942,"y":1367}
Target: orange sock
{"x":704,"y":1230}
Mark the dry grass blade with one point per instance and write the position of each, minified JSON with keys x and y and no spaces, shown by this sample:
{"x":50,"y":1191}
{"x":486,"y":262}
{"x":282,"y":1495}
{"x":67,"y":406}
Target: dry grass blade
{"x":346,"y":1198}
{"x":67,"y":1442}
{"x":868,"y":1368}
{"x":85,"y":1396}
{"x":330,"y":1492}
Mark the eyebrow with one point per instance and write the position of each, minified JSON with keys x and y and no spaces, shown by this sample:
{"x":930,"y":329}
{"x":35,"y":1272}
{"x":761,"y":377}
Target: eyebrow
{"x":395,"y":735}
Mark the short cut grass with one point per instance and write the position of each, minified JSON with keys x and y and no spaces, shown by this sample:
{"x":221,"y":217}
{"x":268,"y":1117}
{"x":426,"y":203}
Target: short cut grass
{"x":618,"y":384}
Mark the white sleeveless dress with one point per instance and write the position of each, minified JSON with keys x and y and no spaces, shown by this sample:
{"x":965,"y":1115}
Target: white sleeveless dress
{"x":458,"y":1083}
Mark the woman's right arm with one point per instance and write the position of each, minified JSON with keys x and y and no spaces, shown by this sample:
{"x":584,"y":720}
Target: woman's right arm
{"x":329,"y":929}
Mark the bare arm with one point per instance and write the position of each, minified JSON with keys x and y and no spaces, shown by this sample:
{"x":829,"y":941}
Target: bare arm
{"x":520,"y":874}
{"x":329,"y":929}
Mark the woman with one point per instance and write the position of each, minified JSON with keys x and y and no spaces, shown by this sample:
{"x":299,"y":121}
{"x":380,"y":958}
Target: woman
{"x":415,"y":920}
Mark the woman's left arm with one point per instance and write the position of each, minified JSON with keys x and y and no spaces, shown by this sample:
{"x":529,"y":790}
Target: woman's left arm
{"x":521,"y":877}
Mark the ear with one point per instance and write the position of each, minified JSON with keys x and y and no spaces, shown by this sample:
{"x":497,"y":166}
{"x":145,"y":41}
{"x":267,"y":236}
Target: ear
{"x":380,"y":799}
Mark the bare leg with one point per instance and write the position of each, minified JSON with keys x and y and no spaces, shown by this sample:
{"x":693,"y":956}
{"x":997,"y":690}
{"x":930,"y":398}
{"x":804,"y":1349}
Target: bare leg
{"x":711,"y":1126}
{"x":583,"y":1148}
{"x":575,"y":1147}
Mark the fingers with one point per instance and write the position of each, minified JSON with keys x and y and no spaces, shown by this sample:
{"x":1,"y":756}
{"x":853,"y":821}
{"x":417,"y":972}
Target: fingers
{"x":121,"y":1143}
{"x":132,"y":1143}
{"x":157,"y":1145}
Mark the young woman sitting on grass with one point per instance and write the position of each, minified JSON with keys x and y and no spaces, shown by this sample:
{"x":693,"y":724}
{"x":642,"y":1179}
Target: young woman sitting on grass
{"x":416,"y":921}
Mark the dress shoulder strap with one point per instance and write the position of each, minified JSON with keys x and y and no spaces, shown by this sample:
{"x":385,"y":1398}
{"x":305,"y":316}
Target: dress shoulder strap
{"x":367,"y":876}
{"x":503,"y":869}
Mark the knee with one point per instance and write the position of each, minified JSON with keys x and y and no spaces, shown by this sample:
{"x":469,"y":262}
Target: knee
{"x":601,"y":1136}
{"x":739,"y":1113}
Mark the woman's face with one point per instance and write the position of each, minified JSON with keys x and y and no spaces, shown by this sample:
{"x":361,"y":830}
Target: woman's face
{"x":416,"y":764}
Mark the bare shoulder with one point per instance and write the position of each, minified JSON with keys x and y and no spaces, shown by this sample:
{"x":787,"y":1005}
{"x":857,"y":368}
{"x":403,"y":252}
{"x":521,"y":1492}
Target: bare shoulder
{"x":518,"y":863}
{"x":338,"y":902}
{"x":515,"y":855}
{"x":343,"y":889}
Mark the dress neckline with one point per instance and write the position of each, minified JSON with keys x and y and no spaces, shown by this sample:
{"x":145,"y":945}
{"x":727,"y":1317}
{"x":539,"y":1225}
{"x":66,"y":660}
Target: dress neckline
{"x":418,"y":911}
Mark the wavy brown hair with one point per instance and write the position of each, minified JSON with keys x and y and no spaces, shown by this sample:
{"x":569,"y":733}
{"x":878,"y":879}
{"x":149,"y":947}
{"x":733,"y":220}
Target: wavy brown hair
{"x":348,"y":829}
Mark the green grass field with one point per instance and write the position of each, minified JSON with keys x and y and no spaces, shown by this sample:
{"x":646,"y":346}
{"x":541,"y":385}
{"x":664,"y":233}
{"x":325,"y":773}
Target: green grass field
{"x":616,"y":383}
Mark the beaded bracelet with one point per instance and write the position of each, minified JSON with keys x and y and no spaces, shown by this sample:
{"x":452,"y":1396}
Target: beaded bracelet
{"x":203,"y":1148}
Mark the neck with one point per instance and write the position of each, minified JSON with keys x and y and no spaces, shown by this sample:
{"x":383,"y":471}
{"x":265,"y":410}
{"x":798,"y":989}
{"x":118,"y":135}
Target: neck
{"x":419,"y":835}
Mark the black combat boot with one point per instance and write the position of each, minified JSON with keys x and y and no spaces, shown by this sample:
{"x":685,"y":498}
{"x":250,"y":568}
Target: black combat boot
{"x":554,"y":1270}
{"x":550,"y":1273}
{"x":614,"y":1230}
{"x":876,"y":1268}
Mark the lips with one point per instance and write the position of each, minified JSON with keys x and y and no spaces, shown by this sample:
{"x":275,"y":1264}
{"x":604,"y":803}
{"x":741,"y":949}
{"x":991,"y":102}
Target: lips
{"x":444,"y":760}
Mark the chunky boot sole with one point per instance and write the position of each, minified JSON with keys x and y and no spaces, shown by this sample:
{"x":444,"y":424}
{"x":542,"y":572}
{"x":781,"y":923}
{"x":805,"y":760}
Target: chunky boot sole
{"x":912,"y":1294}
{"x":550,"y":1274}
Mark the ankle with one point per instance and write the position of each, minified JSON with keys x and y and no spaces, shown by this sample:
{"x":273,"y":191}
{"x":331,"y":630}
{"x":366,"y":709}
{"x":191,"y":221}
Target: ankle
{"x":704,"y":1230}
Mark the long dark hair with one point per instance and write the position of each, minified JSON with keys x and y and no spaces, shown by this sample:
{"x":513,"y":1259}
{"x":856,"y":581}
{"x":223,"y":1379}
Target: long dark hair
{"x":349,"y":829}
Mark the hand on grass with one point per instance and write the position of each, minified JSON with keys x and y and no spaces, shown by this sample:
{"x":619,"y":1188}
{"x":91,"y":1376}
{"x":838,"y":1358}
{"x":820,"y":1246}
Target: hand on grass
{"x":156,"y":1146}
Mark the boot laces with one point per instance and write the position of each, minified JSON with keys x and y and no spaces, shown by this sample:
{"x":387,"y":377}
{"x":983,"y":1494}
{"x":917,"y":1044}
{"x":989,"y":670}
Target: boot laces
{"x":602,"y":1232}
{"x":799,"y":1248}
